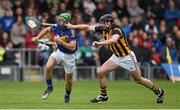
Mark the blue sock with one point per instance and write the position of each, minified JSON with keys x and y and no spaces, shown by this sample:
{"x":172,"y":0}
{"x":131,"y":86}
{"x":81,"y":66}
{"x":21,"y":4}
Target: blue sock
{"x":49,"y":83}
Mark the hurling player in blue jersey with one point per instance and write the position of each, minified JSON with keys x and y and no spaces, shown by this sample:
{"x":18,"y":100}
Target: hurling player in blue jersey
{"x":65,"y":54}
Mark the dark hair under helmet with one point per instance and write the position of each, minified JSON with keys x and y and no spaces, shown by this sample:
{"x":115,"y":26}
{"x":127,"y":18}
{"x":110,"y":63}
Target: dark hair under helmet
{"x":106,"y":17}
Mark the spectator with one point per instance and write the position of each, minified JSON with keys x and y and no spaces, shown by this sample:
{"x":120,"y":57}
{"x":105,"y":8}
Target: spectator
{"x":87,"y":53}
{"x":79,"y":60}
{"x":147,"y":40}
{"x":42,"y":6}
{"x":69,"y":4}
{"x":134,"y":8}
{"x":10,"y":57}
{"x":130,"y":39}
{"x":145,"y":4}
{"x":86,"y":15}
{"x":162,"y":31}
{"x":30,"y":14}
{"x":126,"y":25}
{"x":171,"y":14}
{"x":31,"y":4}
{"x":7,"y":21}
{"x":149,"y":14}
{"x":31,"y":45}
{"x":151,"y":27}
{"x":62,"y":7}
{"x":136,"y":49}
{"x":177,"y":44}
{"x":109,"y":5}
{"x":54,"y":4}
{"x":168,"y":52}
{"x":158,"y":9}
{"x":89,"y":5}
{"x":4,"y":39}
{"x":77,"y":6}
{"x":81,"y":38}
{"x":121,"y":8}
{"x":4,"y":5}
{"x":18,"y":4}
{"x":155,"y":57}
{"x":78,"y":18}
{"x":18,"y":32}
{"x":137,"y":23}
{"x":101,"y":10}
{"x":139,"y":36}
{"x":18,"y":12}
{"x":52,"y":15}
{"x":2,"y":53}
{"x":117,"y":20}
{"x":28,"y":43}
{"x":156,"y":43}
{"x":178,"y":23}
{"x":145,"y":52}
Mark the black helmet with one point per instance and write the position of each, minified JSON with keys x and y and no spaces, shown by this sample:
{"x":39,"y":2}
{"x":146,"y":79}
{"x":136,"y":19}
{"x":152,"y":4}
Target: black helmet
{"x":106,"y":17}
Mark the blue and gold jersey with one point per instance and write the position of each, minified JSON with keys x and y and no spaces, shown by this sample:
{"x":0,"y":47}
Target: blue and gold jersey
{"x":68,"y":33}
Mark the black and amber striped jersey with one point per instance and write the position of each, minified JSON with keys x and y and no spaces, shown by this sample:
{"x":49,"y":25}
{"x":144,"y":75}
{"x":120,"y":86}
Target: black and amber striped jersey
{"x":120,"y":48}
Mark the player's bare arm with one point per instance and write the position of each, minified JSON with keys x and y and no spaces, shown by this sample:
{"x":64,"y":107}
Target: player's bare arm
{"x":80,"y":27}
{"x":41,"y":34}
{"x":69,"y":45}
{"x":112,"y":40}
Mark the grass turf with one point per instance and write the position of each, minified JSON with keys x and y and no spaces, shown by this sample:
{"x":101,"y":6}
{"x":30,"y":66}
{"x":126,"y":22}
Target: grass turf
{"x":122,"y":95}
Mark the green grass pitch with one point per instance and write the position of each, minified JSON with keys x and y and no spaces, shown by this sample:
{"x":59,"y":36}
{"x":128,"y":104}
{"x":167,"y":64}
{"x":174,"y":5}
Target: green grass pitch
{"x":122,"y":95}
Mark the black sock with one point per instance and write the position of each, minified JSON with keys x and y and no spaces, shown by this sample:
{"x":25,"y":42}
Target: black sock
{"x":155,"y":90}
{"x":103,"y":91}
{"x":68,"y":91}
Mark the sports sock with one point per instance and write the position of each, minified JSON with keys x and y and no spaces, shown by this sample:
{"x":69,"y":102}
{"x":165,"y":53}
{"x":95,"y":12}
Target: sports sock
{"x":103,"y":91}
{"x":49,"y":83}
{"x":68,"y":91}
{"x":155,"y":90}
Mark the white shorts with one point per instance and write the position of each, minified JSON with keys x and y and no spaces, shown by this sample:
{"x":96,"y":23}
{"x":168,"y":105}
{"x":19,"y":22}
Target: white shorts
{"x":67,"y":60}
{"x":128,"y":62}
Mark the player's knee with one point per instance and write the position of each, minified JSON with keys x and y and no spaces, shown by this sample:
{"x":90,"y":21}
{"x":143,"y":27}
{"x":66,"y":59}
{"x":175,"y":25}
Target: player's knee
{"x":48,"y":68}
{"x":69,"y":78}
{"x":100,"y":72}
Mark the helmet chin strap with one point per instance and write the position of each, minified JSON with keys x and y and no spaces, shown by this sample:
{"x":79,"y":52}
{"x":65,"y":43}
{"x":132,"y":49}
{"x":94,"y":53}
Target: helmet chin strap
{"x":109,"y":28}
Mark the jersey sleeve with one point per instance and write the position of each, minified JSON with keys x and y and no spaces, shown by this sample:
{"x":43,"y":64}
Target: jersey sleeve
{"x":72,"y":36}
{"x":98,"y":29}
{"x":116,"y":31}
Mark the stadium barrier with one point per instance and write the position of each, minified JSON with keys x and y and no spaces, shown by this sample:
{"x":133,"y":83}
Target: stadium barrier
{"x":26,"y":68}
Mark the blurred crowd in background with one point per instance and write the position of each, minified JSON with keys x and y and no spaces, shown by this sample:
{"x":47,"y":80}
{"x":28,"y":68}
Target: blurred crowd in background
{"x":152,"y":27}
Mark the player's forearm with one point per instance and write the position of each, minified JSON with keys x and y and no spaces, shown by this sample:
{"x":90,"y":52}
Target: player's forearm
{"x":80,"y":27}
{"x":42,"y":33}
{"x":113,"y":40}
{"x":107,"y":42}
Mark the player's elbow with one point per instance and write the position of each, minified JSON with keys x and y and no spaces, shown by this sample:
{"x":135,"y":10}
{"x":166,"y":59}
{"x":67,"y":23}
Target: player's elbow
{"x":46,"y":29}
{"x":114,"y":40}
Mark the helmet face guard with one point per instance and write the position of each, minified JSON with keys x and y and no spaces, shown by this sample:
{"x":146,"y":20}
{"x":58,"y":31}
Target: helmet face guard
{"x":105,"y":20}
